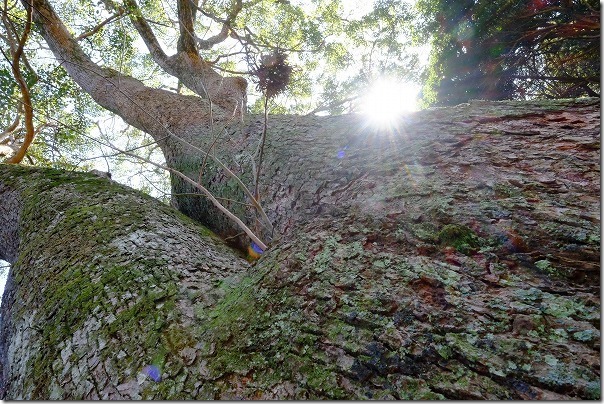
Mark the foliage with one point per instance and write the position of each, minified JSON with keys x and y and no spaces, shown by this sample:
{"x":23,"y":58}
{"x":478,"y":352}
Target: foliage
{"x":334,"y":49}
{"x":510,"y":49}
{"x":62,"y":112}
{"x":371,"y":45}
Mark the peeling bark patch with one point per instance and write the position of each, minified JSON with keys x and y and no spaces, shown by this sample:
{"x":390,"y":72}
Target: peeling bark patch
{"x":431,"y":291}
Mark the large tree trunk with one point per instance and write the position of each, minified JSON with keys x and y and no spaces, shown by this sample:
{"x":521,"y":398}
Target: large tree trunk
{"x":103,"y":280}
{"x":455,"y":257}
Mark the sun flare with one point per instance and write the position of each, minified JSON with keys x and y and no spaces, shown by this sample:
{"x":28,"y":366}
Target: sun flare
{"x":387,"y":99}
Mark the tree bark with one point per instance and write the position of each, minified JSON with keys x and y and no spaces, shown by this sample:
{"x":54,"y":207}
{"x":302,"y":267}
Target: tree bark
{"x":98,"y":273}
{"x":454,"y":256}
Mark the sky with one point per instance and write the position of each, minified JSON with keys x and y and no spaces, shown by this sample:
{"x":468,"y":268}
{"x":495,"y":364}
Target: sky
{"x":4,"y":267}
{"x":385,"y":98}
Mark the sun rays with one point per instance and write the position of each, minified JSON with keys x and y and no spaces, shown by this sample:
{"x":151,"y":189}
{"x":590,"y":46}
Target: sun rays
{"x":387,"y":99}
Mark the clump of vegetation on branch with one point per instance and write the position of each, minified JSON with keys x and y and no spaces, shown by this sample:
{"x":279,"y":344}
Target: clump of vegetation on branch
{"x":273,"y":73}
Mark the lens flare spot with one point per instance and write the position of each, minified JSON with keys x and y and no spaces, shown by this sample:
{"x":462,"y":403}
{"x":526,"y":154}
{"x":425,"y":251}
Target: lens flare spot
{"x":256,"y":248}
{"x":152,"y":372}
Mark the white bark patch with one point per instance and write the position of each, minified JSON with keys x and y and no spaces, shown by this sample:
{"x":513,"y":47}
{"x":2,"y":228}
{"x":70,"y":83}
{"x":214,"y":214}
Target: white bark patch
{"x":22,"y":347}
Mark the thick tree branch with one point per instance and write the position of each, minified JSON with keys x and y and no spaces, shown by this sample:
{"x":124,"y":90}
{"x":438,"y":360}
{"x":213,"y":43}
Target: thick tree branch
{"x":140,"y":106}
{"x":226,"y":26}
{"x":391,"y":269}
{"x":146,"y":33}
{"x":187,"y":65}
{"x":186,"y":23}
{"x":27,"y":107}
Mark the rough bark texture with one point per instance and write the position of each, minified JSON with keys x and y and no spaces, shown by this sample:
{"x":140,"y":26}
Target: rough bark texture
{"x":106,"y":280}
{"x":454,"y":257}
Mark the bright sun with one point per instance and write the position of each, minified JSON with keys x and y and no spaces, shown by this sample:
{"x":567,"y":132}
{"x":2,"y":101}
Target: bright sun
{"x":387,"y":99}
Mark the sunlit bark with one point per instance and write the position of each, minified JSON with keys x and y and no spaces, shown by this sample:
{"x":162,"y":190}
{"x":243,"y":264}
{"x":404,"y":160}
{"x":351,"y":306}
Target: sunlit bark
{"x":454,"y":256}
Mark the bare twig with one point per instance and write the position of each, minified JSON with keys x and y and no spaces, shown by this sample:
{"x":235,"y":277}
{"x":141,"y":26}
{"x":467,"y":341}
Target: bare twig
{"x":119,"y":13}
{"x":207,"y":193}
{"x":218,"y":198}
{"x":11,"y":128}
{"x":261,"y":148}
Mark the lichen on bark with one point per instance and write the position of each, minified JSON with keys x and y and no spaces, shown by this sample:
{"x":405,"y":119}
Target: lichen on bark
{"x":103,"y":277}
{"x":456,"y":258}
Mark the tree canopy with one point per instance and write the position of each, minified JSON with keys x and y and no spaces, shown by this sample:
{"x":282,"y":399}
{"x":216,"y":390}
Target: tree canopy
{"x":479,"y":50}
{"x":511,"y":49}
{"x":335,"y":51}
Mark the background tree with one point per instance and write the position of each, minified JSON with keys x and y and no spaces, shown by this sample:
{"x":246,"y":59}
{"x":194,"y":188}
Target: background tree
{"x":33,"y":84}
{"x":511,"y":49}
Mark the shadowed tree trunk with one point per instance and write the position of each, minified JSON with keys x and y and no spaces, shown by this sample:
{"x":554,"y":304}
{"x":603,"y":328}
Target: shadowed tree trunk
{"x":456,"y":256}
